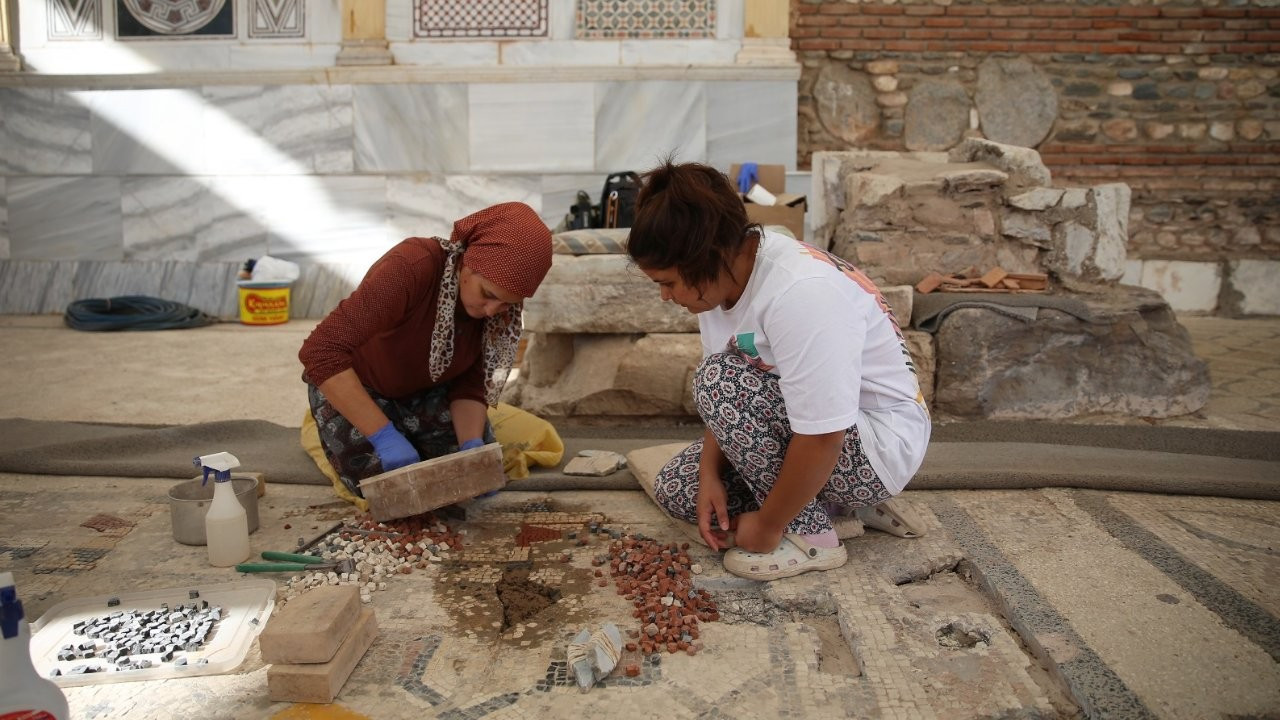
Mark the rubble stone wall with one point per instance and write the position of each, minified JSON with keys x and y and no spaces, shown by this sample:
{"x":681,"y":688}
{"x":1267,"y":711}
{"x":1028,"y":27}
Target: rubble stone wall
{"x":1178,"y":101}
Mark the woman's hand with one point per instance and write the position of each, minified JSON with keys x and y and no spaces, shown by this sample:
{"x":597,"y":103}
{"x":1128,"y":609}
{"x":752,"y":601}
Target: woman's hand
{"x":755,"y":535}
{"x":712,"y":498}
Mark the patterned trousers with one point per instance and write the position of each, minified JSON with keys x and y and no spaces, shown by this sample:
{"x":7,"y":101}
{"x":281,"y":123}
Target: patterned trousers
{"x":423,"y":418}
{"x":743,"y":408}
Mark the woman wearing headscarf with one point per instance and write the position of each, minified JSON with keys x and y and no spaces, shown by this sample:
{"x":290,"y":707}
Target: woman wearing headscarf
{"x":404,"y":368}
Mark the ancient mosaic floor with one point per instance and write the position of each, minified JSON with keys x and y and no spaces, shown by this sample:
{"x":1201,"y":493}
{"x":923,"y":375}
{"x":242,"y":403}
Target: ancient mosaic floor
{"x":1142,"y":605}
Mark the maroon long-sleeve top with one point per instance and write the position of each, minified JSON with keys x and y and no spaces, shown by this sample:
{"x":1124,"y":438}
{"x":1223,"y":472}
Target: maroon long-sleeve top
{"x":383,"y":330}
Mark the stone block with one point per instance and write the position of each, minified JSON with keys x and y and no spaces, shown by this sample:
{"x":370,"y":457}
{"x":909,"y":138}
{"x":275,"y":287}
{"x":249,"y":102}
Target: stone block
{"x":601,"y":294}
{"x":900,"y":299}
{"x":1024,"y":166}
{"x":1187,"y":286}
{"x":924,"y":358}
{"x":1133,"y":359}
{"x":321,"y":682}
{"x":311,"y":627}
{"x":434,"y":483}
{"x":1255,"y":286}
{"x":621,"y":375}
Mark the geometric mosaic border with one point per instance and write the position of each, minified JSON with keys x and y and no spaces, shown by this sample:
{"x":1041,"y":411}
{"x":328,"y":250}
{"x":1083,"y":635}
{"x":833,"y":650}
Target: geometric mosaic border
{"x":74,"y":19}
{"x":646,"y":19}
{"x":277,"y":19}
{"x":479,"y":18}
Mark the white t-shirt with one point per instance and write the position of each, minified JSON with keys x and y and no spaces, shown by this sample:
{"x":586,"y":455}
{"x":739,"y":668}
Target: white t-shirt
{"x":822,"y":327}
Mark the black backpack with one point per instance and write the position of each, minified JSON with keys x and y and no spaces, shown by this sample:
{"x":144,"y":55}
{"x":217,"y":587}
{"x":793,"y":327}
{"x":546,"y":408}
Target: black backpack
{"x":618,"y":200}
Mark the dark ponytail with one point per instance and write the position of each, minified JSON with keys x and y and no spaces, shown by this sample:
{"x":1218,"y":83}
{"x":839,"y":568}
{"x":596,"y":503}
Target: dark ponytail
{"x":688,"y":217}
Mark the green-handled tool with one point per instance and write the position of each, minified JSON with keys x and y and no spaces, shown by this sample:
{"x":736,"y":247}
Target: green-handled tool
{"x":293,"y":562}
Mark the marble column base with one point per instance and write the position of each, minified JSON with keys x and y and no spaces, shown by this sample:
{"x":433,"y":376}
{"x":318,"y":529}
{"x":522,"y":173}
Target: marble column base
{"x":365,"y":52}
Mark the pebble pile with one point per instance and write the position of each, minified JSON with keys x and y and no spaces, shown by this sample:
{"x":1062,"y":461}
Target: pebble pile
{"x":657,"y":579}
{"x":136,"y":639}
{"x":380,"y":550}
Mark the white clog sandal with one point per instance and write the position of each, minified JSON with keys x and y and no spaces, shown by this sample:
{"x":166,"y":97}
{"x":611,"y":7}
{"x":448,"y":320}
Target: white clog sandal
{"x":894,"y":517}
{"x":792,"y":557}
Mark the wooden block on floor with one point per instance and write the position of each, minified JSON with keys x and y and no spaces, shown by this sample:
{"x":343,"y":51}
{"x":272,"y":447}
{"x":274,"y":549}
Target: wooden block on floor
{"x":431,"y":484}
{"x":311,"y":626}
{"x":321,"y":682}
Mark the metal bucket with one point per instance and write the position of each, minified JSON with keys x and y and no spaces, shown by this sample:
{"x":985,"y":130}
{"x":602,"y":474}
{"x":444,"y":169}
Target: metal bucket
{"x":189,"y":501}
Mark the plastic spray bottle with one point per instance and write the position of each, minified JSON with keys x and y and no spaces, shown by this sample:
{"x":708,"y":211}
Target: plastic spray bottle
{"x":23,"y":693}
{"x":226,"y":527}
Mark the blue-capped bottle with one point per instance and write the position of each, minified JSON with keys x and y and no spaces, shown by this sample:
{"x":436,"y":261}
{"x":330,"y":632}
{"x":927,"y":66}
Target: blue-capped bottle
{"x":23,"y":693}
{"x":226,"y":526}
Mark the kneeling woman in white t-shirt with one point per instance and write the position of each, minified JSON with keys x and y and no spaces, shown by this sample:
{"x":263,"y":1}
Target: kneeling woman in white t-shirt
{"x":808,"y":393}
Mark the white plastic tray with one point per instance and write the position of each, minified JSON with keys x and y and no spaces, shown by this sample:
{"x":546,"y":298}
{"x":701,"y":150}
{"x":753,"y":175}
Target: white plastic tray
{"x":242,"y":602}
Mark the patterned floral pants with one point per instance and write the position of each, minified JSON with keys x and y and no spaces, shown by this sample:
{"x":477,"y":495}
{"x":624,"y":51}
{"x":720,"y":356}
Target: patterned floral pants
{"x":742,"y":406}
{"x":424,"y":419}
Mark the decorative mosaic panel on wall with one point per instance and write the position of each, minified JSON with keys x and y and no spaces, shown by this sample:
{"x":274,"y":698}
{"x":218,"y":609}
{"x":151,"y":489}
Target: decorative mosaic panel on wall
{"x":480,"y":18}
{"x":166,"y":18}
{"x":74,"y":19}
{"x":598,"y":19}
{"x":277,"y":19}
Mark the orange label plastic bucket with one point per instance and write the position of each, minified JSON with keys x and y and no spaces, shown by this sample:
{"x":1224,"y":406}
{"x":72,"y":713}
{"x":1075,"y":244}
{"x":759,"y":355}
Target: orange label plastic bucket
{"x":264,"y":304}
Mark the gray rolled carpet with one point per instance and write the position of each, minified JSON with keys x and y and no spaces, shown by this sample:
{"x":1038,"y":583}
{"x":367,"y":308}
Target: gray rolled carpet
{"x":980,"y":455}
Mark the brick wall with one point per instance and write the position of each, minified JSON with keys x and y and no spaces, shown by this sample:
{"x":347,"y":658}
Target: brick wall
{"x":1179,"y":100}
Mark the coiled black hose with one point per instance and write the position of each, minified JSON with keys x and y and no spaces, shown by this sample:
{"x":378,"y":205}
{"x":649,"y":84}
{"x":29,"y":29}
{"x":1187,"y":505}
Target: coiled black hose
{"x":133,"y":312}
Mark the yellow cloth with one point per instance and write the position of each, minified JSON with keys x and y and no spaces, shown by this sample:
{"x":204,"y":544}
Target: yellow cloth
{"x":526,"y":440}
{"x":311,"y":443}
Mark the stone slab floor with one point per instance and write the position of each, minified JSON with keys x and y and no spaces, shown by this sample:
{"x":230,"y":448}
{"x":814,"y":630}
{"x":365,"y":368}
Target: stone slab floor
{"x":1054,"y":603}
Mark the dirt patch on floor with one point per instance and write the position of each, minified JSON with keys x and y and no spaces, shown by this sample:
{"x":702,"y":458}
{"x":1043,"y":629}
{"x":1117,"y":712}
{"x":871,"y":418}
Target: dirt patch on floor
{"x":521,"y":597}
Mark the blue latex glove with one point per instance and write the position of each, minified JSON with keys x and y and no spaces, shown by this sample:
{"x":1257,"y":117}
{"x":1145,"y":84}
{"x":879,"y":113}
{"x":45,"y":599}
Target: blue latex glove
{"x":747,"y":176}
{"x":393,"y":449}
{"x":472,"y":443}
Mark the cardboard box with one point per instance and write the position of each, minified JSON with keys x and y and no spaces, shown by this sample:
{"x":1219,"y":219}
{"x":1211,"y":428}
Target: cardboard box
{"x":789,"y":209}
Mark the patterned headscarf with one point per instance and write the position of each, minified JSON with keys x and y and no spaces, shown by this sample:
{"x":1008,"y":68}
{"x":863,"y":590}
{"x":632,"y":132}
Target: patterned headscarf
{"x":509,"y":246}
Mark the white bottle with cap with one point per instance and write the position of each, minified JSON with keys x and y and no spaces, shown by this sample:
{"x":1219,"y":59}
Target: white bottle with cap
{"x":226,"y":526}
{"x":23,"y":693}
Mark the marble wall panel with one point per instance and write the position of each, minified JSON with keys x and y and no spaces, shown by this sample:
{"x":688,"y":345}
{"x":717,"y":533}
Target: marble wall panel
{"x":213,"y":289}
{"x":560,"y":192}
{"x":399,"y":20}
{"x":285,"y":57}
{"x":321,"y":286}
{"x":730,"y":19}
{"x":43,"y":131}
{"x":532,"y":127}
{"x":562,"y":19}
{"x":427,"y":206}
{"x":64,"y":218}
{"x":640,"y":123}
{"x":566,"y":52}
{"x":147,"y":132}
{"x":453,"y":53}
{"x":162,"y":217}
{"x":278,"y":129}
{"x":235,"y":217}
{"x":35,"y":287}
{"x":324,"y":22}
{"x":4,"y":220}
{"x":411,"y":128}
{"x":679,"y":52}
{"x":337,"y":219}
{"x":751,"y":122}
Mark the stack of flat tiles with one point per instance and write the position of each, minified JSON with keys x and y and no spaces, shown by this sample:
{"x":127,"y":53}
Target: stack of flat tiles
{"x":315,"y":642}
